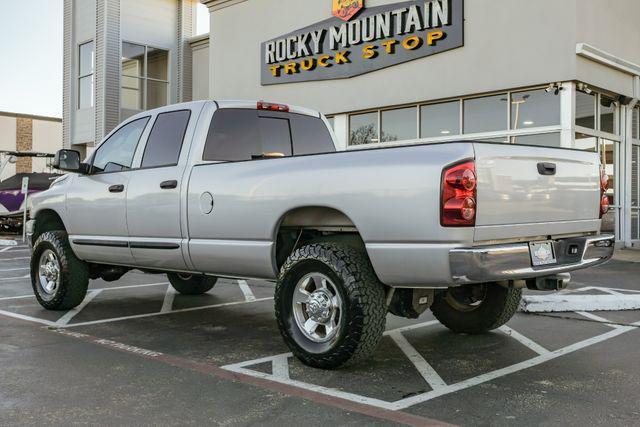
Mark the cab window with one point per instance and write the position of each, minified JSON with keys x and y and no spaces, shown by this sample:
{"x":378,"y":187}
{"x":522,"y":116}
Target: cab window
{"x":116,"y":153}
{"x":237,"y":134}
{"x":165,"y":140}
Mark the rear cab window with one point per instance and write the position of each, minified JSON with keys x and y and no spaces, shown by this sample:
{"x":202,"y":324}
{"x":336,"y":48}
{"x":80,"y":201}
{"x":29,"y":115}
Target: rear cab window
{"x":243,"y":134}
{"x":165,"y":140}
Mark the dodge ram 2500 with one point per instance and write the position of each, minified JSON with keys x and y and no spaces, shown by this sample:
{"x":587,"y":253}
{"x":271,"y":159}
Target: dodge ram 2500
{"x":257,"y":190}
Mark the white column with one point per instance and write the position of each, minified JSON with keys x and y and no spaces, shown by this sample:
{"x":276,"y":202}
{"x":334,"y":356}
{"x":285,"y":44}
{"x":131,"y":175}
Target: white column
{"x":107,"y":70}
{"x":186,"y":18}
{"x":567,"y":114}
{"x":341,"y":130}
{"x":68,"y":77}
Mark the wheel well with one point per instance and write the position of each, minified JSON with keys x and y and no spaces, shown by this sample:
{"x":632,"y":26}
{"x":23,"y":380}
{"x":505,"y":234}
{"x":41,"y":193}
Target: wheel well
{"x":313,"y":224}
{"x":47,"y":220}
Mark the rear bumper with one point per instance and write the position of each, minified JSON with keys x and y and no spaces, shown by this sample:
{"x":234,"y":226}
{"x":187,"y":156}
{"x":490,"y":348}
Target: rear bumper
{"x":513,"y":261}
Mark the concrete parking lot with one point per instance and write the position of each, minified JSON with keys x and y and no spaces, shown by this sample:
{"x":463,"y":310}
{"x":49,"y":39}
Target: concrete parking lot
{"x":136,"y":353}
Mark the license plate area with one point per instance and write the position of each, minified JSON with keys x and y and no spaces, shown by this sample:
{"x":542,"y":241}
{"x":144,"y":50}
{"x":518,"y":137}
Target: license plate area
{"x":542,"y":253}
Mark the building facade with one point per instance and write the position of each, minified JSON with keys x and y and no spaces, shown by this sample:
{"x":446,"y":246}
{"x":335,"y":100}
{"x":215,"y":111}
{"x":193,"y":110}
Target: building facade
{"x":122,"y":57}
{"x":23,"y":132}
{"x":560,"y":74}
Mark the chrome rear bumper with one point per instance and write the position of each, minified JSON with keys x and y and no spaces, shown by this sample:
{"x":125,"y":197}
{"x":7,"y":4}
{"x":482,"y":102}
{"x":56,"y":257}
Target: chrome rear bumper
{"x":513,"y":261}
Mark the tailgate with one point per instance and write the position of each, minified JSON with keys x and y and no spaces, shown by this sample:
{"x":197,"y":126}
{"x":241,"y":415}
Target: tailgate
{"x":528,"y":191}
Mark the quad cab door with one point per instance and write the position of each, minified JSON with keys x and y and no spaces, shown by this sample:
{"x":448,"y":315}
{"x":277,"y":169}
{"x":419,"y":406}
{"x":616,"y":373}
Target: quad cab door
{"x":154,"y":202}
{"x":96,"y":202}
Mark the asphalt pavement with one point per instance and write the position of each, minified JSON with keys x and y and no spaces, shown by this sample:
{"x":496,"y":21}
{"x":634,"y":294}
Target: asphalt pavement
{"x":136,"y":353}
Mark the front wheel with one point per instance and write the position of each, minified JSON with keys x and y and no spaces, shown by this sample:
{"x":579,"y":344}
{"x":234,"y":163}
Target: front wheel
{"x":476,"y":309}
{"x":188,"y":284}
{"x":329,"y":304}
{"x":59,"y":279}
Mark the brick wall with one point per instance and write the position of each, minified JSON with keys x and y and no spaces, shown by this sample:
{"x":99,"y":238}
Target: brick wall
{"x":24,"y":142}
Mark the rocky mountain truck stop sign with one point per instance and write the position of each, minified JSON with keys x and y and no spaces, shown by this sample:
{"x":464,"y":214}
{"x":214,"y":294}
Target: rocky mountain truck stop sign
{"x":358,"y":40}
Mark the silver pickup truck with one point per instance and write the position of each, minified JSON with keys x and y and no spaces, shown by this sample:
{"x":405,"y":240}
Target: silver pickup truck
{"x":256,"y":190}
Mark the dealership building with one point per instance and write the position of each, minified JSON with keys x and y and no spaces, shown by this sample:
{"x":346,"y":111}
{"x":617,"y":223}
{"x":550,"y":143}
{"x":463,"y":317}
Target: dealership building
{"x":546,"y":72}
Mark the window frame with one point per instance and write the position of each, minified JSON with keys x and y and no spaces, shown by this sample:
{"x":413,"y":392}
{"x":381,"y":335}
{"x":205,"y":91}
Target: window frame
{"x":116,"y":130}
{"x":145,"y":78}
{"x":147,"y":140}
{"x":81,"y":76}
{"x":507,"y":133}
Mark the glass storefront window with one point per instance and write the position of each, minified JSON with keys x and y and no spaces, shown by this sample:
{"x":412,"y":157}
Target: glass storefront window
{"x":157,"y":94}
{"x":157,"y":64}
{"x":440,"y":119}
{"x":585,"y":142}
{"x":534,"y":108}
{"x":132,"y":60}
{"x":542,"y":140}
{"x":635,"y":123}
{"x":131,"y":95}
{"x":485,"y":114}
{"x":585,"y":110}
{"x":363,"y":128}
{"x":608,"y":109}
{"x":331,"y":121}
{"x":86,"y":67}
{"x":399,"y":125}
{"x":609,"y":156}
{"x":145,"y":78}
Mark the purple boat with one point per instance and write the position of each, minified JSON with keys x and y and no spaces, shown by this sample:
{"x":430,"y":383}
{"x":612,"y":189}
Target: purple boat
{"x":12,"y":200}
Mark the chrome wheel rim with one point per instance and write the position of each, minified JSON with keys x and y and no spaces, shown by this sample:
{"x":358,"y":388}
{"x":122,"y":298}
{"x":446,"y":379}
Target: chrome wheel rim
{"x":185,"y":277}
{"x":49,"y":276}
{"x":317,"y":307}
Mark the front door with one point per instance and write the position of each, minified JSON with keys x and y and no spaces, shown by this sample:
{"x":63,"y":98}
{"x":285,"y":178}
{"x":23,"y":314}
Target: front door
{"x":154,"y":194}
{"x":96,"y":202}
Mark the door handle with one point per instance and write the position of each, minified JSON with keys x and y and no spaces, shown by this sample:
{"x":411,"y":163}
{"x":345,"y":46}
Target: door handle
{"x":167,"y":185}
{"x":545,"y":168}
{"x":116,"y":188}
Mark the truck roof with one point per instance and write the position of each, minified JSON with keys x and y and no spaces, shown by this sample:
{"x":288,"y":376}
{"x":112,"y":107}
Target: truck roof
{"x":243,"y":104}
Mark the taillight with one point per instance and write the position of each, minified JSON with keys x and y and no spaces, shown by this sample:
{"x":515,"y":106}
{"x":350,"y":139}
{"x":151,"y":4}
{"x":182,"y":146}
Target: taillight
{"x":272,"y":107}
{"x":604,"y":186}
{"x":458,"y":204}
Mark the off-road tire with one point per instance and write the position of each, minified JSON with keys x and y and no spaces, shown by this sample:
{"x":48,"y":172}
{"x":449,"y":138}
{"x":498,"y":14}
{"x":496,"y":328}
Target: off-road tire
{"x":497,"y":308}
{"x":75,"y":273}
{"x":195,"y":285}
{"x":363,"y":314}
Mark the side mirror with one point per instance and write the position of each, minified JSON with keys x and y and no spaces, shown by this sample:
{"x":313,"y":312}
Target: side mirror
{"x":69,"y":160}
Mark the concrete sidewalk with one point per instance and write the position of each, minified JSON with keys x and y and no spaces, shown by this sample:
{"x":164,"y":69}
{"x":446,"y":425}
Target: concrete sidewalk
{"x":629,"y":255}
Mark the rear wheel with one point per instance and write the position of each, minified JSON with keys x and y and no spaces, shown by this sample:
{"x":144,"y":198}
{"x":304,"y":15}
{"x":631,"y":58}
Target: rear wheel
{"x":476,"y":309}
{"x":329,"y":305}
{"x":188,"y":284}
{"x":59,"y":279}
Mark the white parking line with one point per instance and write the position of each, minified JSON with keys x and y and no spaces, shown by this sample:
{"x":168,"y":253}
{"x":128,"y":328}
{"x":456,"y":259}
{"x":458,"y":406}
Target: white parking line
{"x":6,"y":279}
{"x":246,"y":291}
{"x":64,"y":320}
{"x":14,"y":269}
{"x":598,"y":319}
{"x":183,"y":310}
{"x":426,"y":370}
{"x":99,"y":289}
{"x":442,"y":389}
{"x":27,"y":318}
{"x":15,"y":249}
{"x":169,"y":296}
{"x":14,"y":259}
{"x":524,"y":340}
{"x":480,"y":379}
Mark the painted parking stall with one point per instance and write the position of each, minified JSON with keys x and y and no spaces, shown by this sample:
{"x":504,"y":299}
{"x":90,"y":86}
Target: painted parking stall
{"x":230,"y":333}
